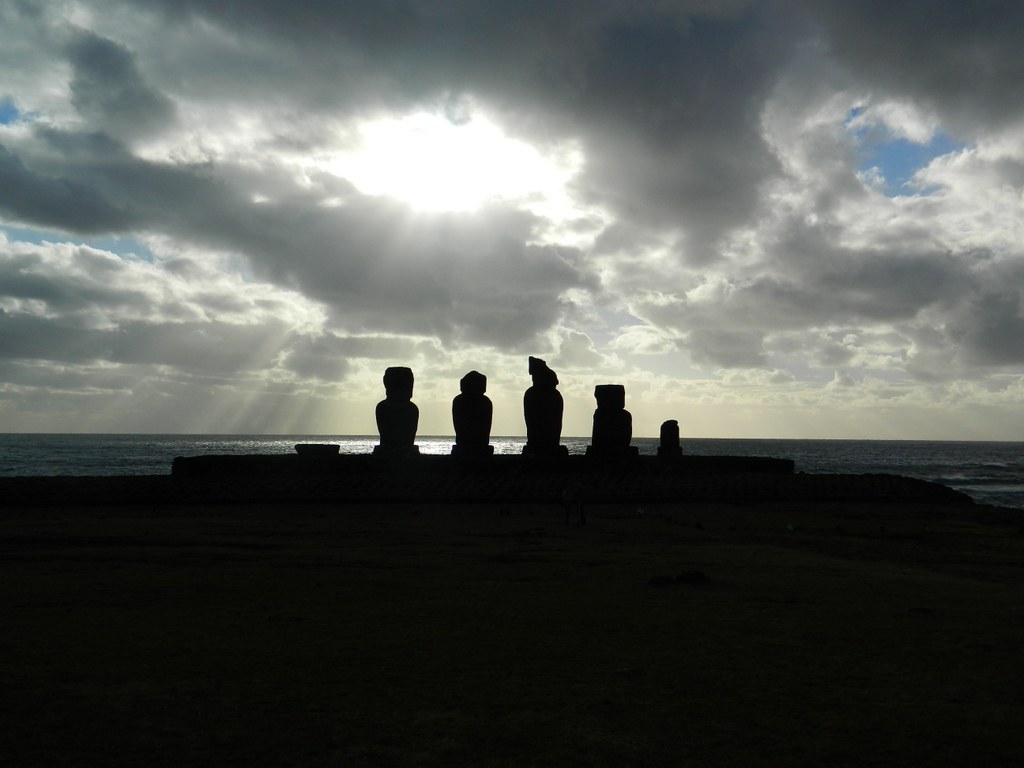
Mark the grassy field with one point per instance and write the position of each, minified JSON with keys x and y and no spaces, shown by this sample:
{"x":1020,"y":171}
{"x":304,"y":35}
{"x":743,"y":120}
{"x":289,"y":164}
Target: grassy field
{"x":482,"y":635}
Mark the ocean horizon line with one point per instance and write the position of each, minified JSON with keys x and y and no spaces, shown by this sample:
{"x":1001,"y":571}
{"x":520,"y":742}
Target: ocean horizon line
{"x":451,"y":436}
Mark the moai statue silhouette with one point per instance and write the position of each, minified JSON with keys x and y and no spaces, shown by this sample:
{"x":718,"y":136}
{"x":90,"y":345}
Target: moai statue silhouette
{"x":471,"y":413}
{"x":669,"y":448}
{"x":542,"y":406}
{"x":397,"y":415}
{"x":613,"y":424}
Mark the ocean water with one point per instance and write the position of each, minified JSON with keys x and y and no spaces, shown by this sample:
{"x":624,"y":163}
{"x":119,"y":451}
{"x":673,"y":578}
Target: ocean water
{"x":990,"y":472}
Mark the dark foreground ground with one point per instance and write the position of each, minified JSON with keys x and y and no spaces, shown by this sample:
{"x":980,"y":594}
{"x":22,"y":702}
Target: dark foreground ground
{"x":834,"y":634}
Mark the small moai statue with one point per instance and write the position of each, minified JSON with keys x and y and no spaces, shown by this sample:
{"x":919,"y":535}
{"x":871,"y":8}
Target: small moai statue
{"x":397,"y":415}
{"x":542,"y":406}
{"x":471,"y":413}
{"x":613,"y":424}
{"x":669,"y":448}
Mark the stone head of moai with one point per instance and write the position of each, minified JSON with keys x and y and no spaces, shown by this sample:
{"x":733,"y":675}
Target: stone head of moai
{"x":398,"y":383}
{"x":542,"y":376}
{"x":473,"y":383}
{"x":610,"y":396}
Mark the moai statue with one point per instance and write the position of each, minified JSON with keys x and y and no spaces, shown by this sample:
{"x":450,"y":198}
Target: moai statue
{"x":397,"y":415}
{"x":669,"y":448}
{"x":471,"y":413}
{"x":542,"y":406}
{"x":613,"y":424}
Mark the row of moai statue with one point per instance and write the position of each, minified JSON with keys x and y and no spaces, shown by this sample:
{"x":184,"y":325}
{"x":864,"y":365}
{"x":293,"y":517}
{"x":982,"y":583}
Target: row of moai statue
{"x":472,"y":411}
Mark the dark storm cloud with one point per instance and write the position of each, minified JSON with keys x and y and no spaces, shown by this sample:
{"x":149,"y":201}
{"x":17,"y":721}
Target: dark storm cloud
{"x":814,"y":280}
{"x":960,"y":57}
{"x":107,"y":89}
{"x":460,"y":277}
{"x":328,"y":356}
{"x":25,"y":336}
{"x":671,"y":119}
{"x":849,"y":288}
{"x":25,"y":277}
{"x":55,"y":201}
{"x":61,"y":377}
{"x":992,"y":330}
{"x":198,"y":347}
{"x":809,"y":286}
{"x":725,"y":348}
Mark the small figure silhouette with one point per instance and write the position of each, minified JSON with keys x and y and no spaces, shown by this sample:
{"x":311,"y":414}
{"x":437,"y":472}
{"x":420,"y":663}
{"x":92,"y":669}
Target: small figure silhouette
{"x":397,"y":415}
{"x":573,"y":495}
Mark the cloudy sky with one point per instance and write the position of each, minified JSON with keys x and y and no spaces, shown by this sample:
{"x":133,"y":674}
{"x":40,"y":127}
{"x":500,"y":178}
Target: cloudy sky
{"x":766,"y":218}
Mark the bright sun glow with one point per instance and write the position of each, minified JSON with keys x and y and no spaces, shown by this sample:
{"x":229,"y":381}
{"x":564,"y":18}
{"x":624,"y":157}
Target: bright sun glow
{"x":434,"y":164}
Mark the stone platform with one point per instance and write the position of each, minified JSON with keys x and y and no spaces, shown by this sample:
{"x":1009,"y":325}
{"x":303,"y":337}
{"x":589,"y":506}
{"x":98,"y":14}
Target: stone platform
{"x":498,"y":479}
{"x":311,"y":464}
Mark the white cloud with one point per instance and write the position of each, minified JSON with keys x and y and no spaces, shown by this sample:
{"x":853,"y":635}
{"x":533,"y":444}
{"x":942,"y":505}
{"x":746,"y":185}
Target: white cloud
{"x":901,"y":119}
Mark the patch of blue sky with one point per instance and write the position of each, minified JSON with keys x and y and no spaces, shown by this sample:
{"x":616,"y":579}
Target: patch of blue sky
{"x":895,"y":158}
{"x":8,"y":111}
{"x":122,"y":246}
